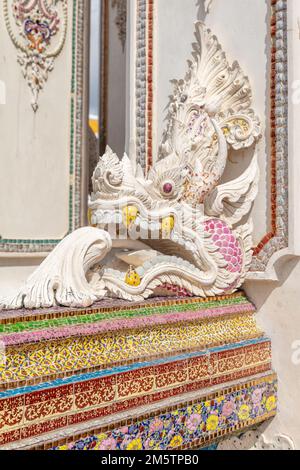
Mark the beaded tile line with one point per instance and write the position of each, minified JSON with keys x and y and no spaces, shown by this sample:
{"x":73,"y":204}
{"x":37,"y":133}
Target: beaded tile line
{"x":67,"y":409}
{"x":139,"y":320}
{"x":112,"y":305}
{"x":277,"y":237}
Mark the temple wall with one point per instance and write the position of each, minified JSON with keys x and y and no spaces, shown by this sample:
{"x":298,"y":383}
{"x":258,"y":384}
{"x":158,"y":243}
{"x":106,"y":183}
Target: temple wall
{"x":43,"y":124}
{"x":34,"y":167}
{"x":243,"y":30}
{"x":278,"y":315}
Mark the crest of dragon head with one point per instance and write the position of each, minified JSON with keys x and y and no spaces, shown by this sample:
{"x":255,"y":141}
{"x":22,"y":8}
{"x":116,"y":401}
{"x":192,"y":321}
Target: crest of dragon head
{"x":179,"y":230}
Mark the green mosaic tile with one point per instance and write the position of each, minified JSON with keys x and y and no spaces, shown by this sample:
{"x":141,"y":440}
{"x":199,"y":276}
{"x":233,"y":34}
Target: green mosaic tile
{"x":118,"y":314}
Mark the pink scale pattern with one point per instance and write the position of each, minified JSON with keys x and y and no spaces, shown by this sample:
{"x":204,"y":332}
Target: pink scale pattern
{"x":227,"y":243}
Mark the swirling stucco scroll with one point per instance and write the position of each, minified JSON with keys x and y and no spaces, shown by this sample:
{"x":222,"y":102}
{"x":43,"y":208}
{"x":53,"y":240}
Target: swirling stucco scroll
{"x":39,"y":34}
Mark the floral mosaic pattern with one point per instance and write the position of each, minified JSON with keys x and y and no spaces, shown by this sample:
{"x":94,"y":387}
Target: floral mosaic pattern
{"x":189,"y":425}
{"x":98,"y":366}
{"x":81,"y":399}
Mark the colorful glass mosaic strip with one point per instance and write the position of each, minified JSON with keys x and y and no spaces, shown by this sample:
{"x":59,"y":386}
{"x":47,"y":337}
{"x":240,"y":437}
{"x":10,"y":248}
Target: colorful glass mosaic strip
{"x":122,"y":308}
{"x":188,"y":425}
{"x":62,"y":357}
{"x":73,"y":379}
{"x":94,"y":398}
{"x":138,"y":321}
{"x":166,"y":314}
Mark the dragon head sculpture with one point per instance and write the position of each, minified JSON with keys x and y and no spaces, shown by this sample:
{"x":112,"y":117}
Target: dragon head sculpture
{"x":186,"y":219}
{"x":178,"y":229}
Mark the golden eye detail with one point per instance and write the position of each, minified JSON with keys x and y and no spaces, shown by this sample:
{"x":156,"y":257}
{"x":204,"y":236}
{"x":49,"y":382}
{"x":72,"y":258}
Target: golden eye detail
{"x":167,"y":226}
{"x":130,"y":214}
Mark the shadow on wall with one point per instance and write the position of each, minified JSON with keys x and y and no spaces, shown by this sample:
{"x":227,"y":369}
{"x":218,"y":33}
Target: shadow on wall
{"x":260,"y":291}
{"x":17,"y":262}
{"x":202,"y":9}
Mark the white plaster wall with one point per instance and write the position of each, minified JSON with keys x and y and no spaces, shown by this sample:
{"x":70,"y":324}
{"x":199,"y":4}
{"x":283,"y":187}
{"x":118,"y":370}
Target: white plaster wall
{"x":35,"y":147}
{"x":278,"y":308}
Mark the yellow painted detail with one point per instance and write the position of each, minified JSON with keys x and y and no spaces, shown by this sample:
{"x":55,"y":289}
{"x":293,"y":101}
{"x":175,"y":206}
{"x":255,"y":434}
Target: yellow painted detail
{"x":132,"y":278}
{"x":130,"y":214}
{"x":167,"y":225}
{"x":89,"y":214}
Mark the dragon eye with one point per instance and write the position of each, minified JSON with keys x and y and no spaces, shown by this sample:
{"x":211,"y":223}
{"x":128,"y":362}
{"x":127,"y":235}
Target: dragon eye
{"x":167,"y":188}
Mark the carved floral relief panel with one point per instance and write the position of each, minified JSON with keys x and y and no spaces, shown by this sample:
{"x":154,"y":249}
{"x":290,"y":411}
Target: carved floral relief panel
{"x":38,"y":30}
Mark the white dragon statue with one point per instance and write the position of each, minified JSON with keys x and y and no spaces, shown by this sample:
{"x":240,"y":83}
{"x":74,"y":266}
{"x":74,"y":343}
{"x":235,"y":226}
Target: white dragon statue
{"x":179,"y":230}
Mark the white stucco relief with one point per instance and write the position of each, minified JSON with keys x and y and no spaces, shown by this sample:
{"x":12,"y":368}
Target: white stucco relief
{"x":193,"y":233}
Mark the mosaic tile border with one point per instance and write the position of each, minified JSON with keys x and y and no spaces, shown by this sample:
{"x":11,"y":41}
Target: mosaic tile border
{"x":73,"y":379}
{"x":141,"y":81}
{"x":66,"y":356}
{"x":84,"y":401}
{"x":61,"y":407}
{"x":91,"y":326}
{"x":246,"y":414}
{"x":278,"y":238}
{"x":111,"y":305}
{"x":76,"y":146}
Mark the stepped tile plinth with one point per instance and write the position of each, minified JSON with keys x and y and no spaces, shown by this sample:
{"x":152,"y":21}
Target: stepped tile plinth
{"x":67,"y":373}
